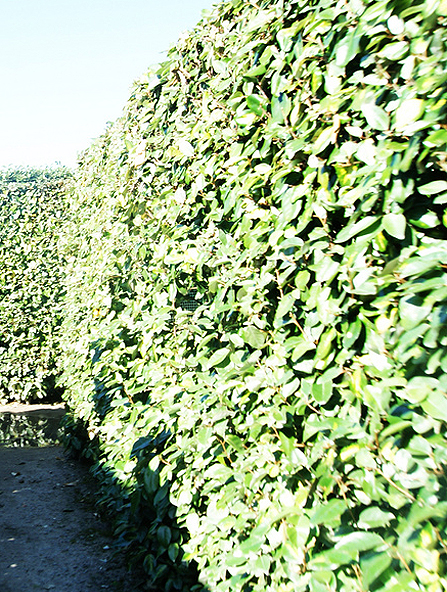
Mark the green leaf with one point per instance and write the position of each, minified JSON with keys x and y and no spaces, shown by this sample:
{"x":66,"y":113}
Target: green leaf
{"x":374,"y":517}
{"x":253,"y":336}
{"x":256,"y":71}
{"x":329,"y":513}
{"x":376,"y":117}
{"x":364,"y":458}
{"x":164,"y":536}
{"x":415,"y":266}
{"x":218,"y":357}
{"x":236,"y":442}
{"x":331,"y":559}
{"x":373,"y":565}
{"x":433,"y":188}
{"x":325,"y":138}
{"x":347,"y":48}
{"x":413,"y":310}
{"x":185,"y":147}
{"x":365,"y":224}
{"x":359,"y":541}
{"x":394,"y":51}
{"x":435,"y":405}
{"x":421,"y":218}
{"x":256,"y":104}
{"x":281,"y":106}
{"x":254,"y":541}
{"x":395,"y":225}
{"x":408,"y":113}
{"x":298,"y":534}
{"x":245,"y":119}
{"x":285,"y":305}
{"x":173,"y":551}
{"x":436,"y":138}
{"x":419,"y":388}
{"x":322,"y":391}
{"x":235,"y":560}
{"x":326,"y":343}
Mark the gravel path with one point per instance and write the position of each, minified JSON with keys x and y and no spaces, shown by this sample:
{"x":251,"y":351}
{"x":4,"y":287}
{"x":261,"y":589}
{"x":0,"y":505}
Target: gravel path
{"x":51,"y":538}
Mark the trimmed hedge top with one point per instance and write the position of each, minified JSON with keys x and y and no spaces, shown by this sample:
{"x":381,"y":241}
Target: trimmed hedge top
{"x":254,"y":331}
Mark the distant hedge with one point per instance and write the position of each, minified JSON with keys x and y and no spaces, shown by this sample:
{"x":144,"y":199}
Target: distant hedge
{"x":255,"y":326}
{"x":32,"y":212}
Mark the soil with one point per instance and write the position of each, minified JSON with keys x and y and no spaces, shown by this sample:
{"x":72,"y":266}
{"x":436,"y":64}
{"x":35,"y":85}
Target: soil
{"x":51,"y":535}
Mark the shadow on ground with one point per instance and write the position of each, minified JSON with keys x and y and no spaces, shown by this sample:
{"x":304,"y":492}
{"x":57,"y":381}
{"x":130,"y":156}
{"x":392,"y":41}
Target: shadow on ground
{"x":30,"y":425}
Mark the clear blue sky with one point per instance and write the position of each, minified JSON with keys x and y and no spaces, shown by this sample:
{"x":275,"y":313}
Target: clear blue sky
{"x":67,"y":66}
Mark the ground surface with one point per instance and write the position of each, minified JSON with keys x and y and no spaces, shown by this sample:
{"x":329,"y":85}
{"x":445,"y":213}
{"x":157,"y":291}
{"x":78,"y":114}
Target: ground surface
{"x":51,"y":537}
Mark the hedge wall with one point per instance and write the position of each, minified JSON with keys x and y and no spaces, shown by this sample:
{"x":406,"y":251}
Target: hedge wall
{"x":254,"y":333}
{"x":32,"y":211}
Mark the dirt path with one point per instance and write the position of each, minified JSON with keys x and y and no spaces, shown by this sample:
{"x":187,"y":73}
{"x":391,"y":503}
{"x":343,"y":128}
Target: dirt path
{"x":51,"y":538}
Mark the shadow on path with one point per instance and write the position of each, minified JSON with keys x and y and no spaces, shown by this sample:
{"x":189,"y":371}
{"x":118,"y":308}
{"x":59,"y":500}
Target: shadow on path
{"x":30,"y":425}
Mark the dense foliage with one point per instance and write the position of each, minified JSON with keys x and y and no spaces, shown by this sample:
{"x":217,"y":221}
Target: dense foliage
{"x":32,"y":211}
{"x":254,"y":334}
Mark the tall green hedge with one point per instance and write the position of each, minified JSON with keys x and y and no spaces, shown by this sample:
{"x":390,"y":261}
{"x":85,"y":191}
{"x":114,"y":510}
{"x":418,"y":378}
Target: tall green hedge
{"x":255,"y":326}
{"x":32,"y":213}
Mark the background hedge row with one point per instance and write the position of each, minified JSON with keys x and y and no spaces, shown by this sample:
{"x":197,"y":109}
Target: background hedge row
{"x":253,"y":331}
{"x":32,"y":213}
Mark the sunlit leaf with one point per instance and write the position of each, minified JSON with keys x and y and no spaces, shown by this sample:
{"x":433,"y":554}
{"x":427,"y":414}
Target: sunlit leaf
{"x":376,"y":117}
